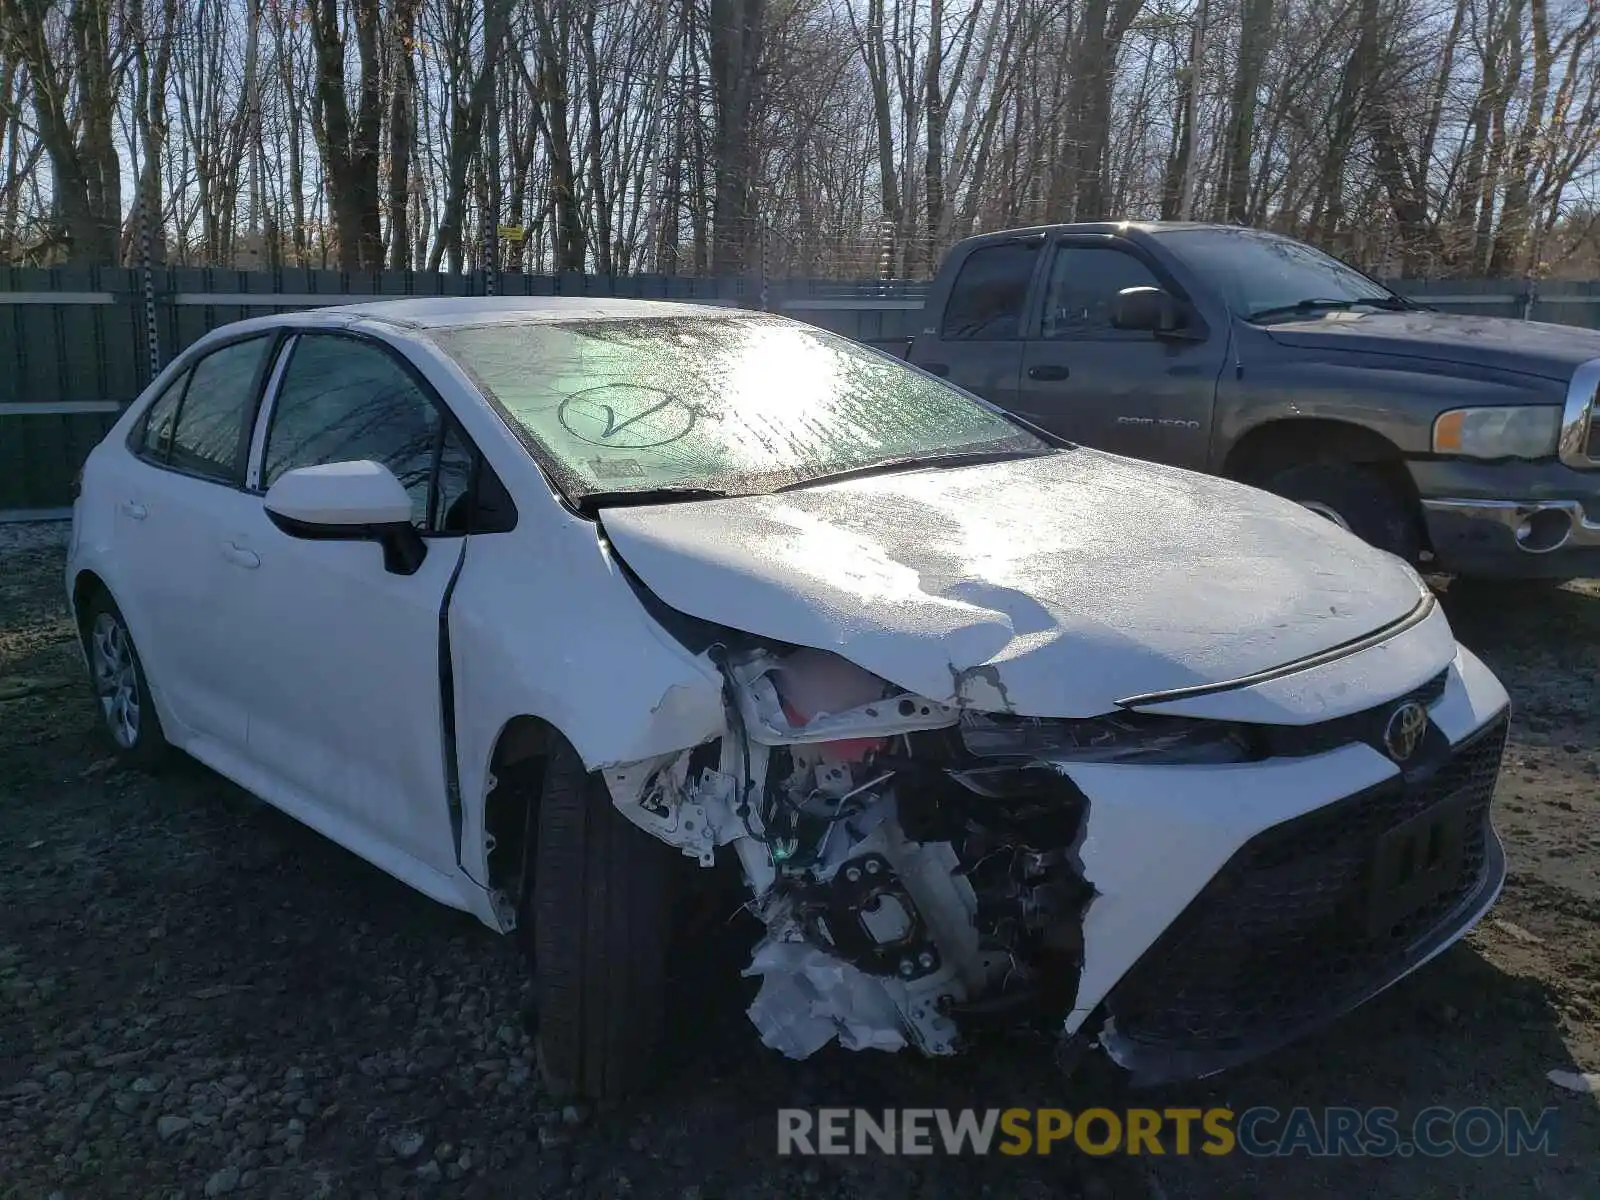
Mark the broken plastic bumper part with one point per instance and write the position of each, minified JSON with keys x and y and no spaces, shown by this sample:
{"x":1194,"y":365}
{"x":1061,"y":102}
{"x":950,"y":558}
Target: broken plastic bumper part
{"x":1189,"y":892}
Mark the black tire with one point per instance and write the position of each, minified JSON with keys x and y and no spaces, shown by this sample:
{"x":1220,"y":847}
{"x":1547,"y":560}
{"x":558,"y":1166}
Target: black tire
{"x":599,"y":907}
{"x":1366,"y":503}
{"x":103,"y":627}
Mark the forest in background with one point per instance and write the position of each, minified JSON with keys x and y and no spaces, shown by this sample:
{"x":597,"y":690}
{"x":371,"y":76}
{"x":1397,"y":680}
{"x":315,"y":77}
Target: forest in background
{"x":821,"y":138}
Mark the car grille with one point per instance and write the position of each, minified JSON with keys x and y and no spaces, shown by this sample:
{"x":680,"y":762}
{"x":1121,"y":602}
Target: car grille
{"x":1282,"y":932}
{"x":1299,"y":741}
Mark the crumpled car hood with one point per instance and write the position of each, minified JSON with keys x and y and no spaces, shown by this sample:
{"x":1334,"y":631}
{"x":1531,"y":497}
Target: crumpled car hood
{"x":1531,"y":347}
{"x":1051,"y":586}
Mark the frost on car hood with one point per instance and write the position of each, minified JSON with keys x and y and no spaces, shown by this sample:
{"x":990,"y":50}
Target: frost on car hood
{"x":1050,"y":586}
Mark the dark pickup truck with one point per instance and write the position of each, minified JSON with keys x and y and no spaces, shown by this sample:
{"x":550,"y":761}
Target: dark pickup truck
{"x":1464,"y":444}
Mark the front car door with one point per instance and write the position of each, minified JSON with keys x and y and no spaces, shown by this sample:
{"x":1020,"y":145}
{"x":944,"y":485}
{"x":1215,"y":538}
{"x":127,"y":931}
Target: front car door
{"x":1127,"y":391}
{"x":341,"y":658}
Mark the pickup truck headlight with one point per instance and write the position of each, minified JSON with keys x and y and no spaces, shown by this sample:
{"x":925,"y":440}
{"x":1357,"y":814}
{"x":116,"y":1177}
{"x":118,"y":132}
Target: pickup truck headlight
{"x":1513,"y":432}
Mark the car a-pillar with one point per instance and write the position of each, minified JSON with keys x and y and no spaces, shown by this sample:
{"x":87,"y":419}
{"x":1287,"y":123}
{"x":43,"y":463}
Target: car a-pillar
{"x":1348,"y":474}
{"x":592,"y":898}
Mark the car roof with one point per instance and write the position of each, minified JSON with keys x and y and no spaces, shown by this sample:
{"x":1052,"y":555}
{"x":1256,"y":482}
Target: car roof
{"x":417,"y":314}
{"x":1105,"y":227}
{"x":444,"y":312}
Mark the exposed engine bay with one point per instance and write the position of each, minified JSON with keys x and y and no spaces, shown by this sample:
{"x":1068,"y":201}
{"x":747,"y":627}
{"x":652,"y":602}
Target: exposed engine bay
{"x":916,"y":864}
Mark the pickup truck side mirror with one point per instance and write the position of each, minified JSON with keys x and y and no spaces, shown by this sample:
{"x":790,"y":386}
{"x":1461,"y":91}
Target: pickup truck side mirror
{"x":1151,"y":310}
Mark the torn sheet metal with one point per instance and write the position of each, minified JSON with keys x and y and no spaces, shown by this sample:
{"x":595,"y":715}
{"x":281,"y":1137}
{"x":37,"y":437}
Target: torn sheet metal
{"x":901,"y":878}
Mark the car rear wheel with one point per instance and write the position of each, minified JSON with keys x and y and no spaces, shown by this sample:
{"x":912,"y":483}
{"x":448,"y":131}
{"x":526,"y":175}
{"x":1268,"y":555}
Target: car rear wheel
{"x":598,"y":905}
{"x":1355,"y":498}
{"x":127,"y":711}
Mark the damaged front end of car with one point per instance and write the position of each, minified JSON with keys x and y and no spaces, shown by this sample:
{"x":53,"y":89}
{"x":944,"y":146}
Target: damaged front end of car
{"x":917,"y":864}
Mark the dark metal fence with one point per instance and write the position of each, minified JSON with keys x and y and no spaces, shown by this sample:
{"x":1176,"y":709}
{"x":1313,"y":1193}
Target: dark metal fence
{"x":75,"y":343}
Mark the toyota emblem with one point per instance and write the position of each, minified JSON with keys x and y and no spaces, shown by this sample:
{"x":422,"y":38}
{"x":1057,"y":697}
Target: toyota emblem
{"x":1403,"y":734}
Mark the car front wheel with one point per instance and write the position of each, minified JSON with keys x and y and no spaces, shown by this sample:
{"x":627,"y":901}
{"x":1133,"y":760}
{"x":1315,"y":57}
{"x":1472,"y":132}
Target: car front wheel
{"x":127,"y":711}
{"x":599,"y":907}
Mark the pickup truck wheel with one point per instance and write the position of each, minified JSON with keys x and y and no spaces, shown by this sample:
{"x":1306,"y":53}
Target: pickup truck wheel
{"x":599,"y":907}
{"x":1355,"y":498}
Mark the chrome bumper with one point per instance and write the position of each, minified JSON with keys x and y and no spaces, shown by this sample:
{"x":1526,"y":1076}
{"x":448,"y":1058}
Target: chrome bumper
{"x":1535,"y":526}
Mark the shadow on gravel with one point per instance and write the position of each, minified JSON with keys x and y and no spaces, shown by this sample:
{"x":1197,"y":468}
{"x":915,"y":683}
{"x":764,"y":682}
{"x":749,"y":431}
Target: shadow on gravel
{"x":1460,"y":1034}
{"x":1491,"y":615}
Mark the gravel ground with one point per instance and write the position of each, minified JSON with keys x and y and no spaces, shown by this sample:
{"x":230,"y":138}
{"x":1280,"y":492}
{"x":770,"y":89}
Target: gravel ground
{"x":198,"y":997}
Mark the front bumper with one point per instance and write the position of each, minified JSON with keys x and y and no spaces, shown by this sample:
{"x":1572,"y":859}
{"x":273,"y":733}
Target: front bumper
{"x":1279,"y":943}
{"x":1239,"y":907}
{"x":1511,"y":520}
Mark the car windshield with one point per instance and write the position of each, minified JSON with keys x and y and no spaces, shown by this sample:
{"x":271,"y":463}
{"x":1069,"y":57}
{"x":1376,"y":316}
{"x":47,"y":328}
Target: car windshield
{"x":1262,"y":275}
{"x":691,"y":407}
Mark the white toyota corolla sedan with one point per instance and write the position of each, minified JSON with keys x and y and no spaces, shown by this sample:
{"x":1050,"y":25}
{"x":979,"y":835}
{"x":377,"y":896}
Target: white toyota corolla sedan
{"x":532,"y":602}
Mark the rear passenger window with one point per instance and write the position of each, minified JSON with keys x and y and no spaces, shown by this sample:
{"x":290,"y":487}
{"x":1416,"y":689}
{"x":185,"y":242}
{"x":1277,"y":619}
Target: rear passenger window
{"x":154,"y":440}
{"x":988,"y":295}
{"x":212,"y":436}
{"x":1083,"y":282}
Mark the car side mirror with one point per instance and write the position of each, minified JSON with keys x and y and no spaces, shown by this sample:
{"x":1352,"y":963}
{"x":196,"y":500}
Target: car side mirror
{"x":348,"y":502}
{"x":1150,"y":310}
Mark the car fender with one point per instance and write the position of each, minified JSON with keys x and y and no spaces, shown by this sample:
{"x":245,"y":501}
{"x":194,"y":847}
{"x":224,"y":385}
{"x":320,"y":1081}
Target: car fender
{"x":546,"y":625}
{"x":1395,"y":397}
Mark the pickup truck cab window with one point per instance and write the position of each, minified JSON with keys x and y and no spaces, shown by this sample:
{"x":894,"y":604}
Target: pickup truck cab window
{"x":988,"y":296}
{"x":1083,"y":282}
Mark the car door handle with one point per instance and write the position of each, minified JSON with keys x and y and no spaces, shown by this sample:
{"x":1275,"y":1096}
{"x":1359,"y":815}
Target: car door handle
{"x":240,"y":557}
{"x":134,"y":511}
{"x":1048,"y":371}
{"x":936,"y":368}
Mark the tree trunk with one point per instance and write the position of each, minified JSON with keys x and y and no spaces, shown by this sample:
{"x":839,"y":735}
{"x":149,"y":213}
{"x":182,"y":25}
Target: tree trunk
{"x":402,"y":130}
{"x":736,"y":37}
{"x":1255,"y":35}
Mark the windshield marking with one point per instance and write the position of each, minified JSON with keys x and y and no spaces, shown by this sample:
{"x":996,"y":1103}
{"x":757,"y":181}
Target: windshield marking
{"x":579,"y":408}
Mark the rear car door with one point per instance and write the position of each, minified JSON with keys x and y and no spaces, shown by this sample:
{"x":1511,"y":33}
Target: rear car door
{"x":343,"y":656}
{"x":1127,"y":391}
{"x":978,"y":342}
{"x":173,"y":500}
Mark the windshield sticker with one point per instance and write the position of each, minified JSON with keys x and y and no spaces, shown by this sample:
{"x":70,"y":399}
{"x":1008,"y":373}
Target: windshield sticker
{"x":626,"y":416}
{"x":616,"y":468}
